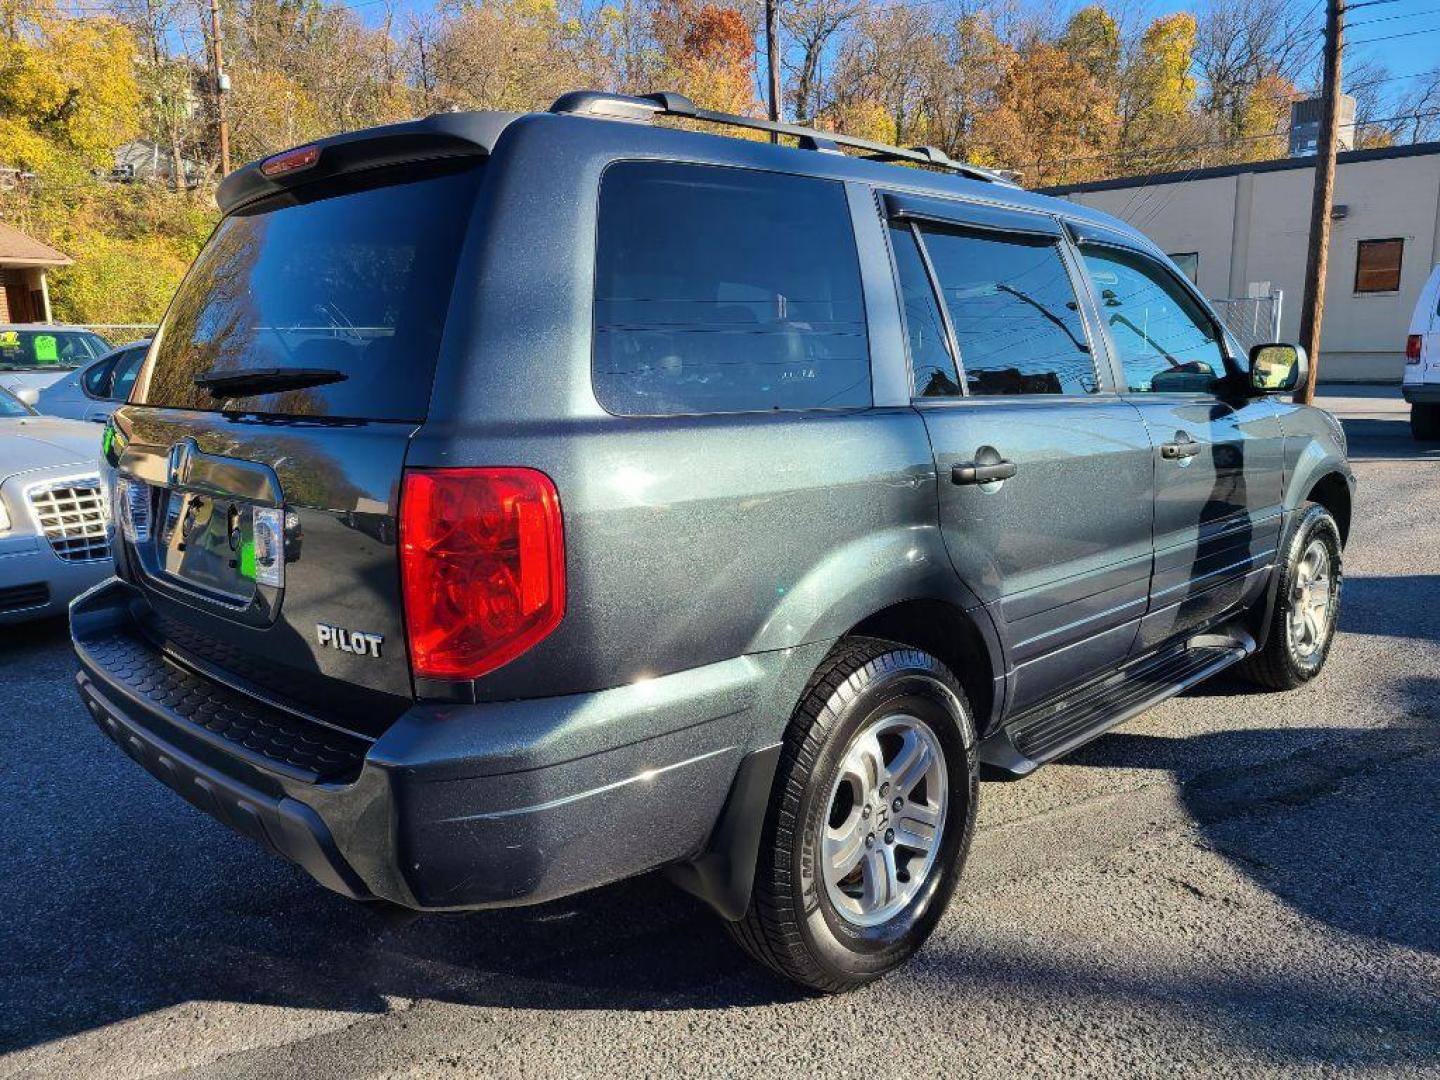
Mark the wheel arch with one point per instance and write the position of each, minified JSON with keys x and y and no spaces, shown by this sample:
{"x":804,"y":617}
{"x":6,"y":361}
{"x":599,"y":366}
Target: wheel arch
{"x":1332,"y":491}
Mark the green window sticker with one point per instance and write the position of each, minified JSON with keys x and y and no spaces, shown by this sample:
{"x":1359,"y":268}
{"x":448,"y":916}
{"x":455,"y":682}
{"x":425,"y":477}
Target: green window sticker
{"x":46,"y":349}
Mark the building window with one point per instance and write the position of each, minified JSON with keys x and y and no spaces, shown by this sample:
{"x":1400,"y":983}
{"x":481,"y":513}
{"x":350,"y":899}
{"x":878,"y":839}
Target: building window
{"x":1189,"y":264}
{"x":1377,"y":266}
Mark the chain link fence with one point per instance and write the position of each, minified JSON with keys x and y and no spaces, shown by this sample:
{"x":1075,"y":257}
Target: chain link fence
{"x":1254,"y":320}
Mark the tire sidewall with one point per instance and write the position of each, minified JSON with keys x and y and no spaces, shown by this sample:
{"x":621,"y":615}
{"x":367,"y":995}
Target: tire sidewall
{"x":912,"y":682}
{"x":1315,"y":524}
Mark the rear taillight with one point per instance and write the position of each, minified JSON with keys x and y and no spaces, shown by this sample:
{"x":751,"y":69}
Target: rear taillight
{"x":1412,"y":349}
{"x":482,"y":566}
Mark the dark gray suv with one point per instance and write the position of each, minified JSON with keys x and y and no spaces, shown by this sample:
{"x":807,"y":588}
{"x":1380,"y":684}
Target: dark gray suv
{"x":509,"y":505}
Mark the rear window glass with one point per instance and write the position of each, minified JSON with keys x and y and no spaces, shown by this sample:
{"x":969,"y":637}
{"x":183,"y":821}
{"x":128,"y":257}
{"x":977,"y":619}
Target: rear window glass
{"x":47,"y":348}
{"x":726,"y":290}
{"x":353,"y":280}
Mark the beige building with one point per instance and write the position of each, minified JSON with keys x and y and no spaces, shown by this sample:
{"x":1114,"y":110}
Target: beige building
{"x":24,"y":295}
{"x":1242,"y":231}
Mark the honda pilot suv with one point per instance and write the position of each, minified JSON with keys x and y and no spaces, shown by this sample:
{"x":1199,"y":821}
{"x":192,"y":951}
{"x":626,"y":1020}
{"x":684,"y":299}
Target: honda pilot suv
{"x":508,"y":505}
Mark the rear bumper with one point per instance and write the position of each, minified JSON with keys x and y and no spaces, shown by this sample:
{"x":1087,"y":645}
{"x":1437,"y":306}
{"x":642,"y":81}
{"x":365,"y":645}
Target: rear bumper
{"x":455,"y":806}
{"x":1421,"y":393}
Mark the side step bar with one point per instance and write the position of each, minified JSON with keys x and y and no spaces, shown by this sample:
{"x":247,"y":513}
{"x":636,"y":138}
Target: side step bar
{"x":1045,"y":733}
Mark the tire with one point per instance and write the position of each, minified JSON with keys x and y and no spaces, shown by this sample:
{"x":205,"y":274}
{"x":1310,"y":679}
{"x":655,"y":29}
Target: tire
{"x":1424,"y":421}
{"x":804,"y":923}
{"x":1296,"y":647}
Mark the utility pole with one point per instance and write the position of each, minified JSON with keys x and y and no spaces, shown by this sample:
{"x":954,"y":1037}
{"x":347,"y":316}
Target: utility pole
{"x":1312,"y":310}
{"x":772,"y":58}
{"x":219,"y":83}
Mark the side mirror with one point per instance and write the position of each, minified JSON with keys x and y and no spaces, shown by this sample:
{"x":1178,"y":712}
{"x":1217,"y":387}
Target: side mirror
{"x":29,"y":396}
{"x":1277,"y":368}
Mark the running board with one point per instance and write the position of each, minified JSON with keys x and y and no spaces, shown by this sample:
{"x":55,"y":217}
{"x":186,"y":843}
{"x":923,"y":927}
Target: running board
{"x":1057,"y":727}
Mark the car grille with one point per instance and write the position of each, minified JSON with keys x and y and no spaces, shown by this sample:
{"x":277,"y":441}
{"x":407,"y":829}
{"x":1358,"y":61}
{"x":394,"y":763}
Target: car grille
{"x":72,"y":516}
{"x":21,"y":597}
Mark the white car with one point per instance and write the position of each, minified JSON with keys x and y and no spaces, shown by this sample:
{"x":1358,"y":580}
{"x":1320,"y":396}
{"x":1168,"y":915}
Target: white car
{"x":1422,"y":362}
{"x":34,"y":355}
{"x":54,"y":523}
{"x":96,"y":390}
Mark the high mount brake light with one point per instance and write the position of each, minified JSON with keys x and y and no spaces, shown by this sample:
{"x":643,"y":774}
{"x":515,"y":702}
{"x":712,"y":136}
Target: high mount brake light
{"x":482,"y":567}
{"x":301,"y":157}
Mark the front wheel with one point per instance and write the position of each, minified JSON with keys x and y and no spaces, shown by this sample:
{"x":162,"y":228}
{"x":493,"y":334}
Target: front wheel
{"x":871,"y":816}
{"x":1307,"y":605}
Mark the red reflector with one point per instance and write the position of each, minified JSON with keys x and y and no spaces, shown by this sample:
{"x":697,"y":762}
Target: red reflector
{"x":482,"y":567}
{"x":1412,"y":349}
{"x":290,"y":161}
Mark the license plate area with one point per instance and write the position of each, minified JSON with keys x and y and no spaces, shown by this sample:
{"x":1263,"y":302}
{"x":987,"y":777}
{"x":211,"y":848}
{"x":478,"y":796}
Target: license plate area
{"x":207,"y":542}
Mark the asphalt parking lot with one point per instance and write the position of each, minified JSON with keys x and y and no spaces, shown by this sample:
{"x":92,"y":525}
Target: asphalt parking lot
{"x":1235,"y":883}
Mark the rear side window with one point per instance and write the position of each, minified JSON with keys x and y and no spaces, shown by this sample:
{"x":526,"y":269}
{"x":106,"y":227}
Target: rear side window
{"x":96,"y":379}
{"x":126,"y":368}
{"x":726,"y":290}
{"x":1017,"y":322}
{"x":352,"y":278}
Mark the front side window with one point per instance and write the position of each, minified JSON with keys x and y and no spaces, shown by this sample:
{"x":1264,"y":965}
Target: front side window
{"x":726,"y":290}
{"x":1014,"y":312}
{"x":1377,"y":265}
{"x":1165,"y":341}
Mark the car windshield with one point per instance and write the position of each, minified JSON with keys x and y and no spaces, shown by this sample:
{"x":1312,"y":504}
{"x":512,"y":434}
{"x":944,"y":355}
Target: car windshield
{"x":48,"y":349}
{"x":11,"y":406}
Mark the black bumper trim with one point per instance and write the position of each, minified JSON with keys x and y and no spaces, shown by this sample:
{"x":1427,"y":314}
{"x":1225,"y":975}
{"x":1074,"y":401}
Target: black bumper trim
{"x":283,"y":826}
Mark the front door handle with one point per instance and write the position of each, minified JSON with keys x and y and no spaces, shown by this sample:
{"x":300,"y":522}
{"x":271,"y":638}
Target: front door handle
{"x":968,"y":472}
{"x":1179,"y":451}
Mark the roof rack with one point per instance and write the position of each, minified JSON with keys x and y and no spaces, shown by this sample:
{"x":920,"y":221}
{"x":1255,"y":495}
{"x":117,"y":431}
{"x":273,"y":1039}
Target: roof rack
{"x":645,"y":107}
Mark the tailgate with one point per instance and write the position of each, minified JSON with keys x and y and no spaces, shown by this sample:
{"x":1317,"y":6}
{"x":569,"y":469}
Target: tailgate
{"x":328,"y":640}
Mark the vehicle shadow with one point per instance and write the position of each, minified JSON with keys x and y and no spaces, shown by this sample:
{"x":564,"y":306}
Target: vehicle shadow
{"x":122,"y":900}
{"x":1374,"y":439}
{"x":1366,"y":864}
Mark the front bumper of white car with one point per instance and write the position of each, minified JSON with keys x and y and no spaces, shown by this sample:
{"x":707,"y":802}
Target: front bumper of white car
{"x":57,"y":543}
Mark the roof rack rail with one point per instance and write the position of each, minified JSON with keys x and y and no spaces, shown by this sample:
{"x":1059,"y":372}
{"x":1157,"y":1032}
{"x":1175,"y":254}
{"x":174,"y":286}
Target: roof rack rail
{"x":645,"y":107}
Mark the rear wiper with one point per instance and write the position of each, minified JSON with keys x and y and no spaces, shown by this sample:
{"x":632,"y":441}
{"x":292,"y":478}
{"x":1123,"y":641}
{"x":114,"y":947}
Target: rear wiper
{"x":264,"y":380}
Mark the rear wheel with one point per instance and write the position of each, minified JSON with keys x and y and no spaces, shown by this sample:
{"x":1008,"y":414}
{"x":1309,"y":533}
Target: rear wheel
{"x":871,"y":816}
{"x":1425,"y":421}
{"x":1307,"y":606}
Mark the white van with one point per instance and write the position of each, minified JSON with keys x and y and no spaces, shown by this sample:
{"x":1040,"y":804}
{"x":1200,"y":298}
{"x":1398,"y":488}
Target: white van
{"x":1422,"y":362}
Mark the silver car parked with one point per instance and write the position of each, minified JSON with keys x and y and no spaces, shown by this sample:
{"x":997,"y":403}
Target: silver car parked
{"x":53,"y":519}
{"x":93,"y":391}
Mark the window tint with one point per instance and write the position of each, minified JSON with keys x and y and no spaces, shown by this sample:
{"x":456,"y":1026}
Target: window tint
{"x":1165,"y":341}
{"x":353,"y":275}
{"x":97,"y":378}
{"x":1377,"y":265}
{"x":126,"y":368}
{"x":1015,"y":315}
{"x":726,"y":290}
{"x":930,"y":361}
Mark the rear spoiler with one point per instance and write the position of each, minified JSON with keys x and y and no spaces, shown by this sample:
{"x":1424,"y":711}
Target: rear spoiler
{"x":445,"y":135}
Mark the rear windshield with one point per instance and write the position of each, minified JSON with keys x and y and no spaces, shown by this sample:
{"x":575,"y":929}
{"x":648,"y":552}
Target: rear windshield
{"x":351,"y":280}
{"x":48,"y":350}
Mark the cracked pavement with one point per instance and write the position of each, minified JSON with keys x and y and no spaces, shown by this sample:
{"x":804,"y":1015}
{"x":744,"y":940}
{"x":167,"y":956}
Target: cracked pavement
{"x":1237,"y":882}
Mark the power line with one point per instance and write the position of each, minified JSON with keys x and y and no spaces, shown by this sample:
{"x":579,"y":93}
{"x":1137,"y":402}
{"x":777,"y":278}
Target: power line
{"x":1396,"y":37}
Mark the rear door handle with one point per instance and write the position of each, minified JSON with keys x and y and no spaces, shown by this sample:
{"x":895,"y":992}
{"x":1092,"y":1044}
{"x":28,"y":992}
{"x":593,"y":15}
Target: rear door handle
{"x":967,"y":472}
{"x":1178,"y":451}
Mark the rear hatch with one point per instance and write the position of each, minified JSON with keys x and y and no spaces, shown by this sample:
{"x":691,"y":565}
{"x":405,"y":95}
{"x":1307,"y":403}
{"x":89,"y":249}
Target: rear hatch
{"x":260,"y":460}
